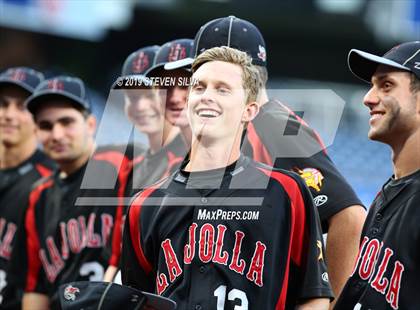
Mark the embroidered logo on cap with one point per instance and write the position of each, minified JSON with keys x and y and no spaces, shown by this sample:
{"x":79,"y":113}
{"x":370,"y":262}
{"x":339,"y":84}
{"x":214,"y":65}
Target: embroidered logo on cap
{"x":141,"y":63}
{"x":55,"y":85}
{"x":70,"y":292}
{"x":177,"y":52}
{"x":18,"y":75}
{"x":262,"y":54}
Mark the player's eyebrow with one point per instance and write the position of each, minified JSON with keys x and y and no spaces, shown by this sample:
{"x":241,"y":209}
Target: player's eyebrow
{"x":380,"y":77}
{"x":62,"y":120}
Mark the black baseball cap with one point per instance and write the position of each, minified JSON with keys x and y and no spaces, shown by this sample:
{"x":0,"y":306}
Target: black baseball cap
{"x":68,"y":87}
{"x":231,"y":32}
{"x":24,"y":77}
{"x":405,"y":56}
{"x":138,"y":62}
{"x":89,"y":295}
{"x":172,"y":51}
{"x":135,"y":67}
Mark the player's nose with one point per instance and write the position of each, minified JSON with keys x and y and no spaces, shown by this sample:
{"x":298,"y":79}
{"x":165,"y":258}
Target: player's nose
{"x":371,"y":98}
{"x":177,"y":96}
{"x":207,"y":95}
{"x":9,"y":112}
{"x":57,"y":131}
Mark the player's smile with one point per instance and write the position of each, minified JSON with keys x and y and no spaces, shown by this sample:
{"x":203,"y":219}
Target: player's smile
{"x":144,"y":118}
{"x":8,"y":128}
{"x":375,"y":115}
{"x":207,"y":113}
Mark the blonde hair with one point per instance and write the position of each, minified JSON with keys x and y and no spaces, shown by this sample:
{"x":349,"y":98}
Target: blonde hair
{"x":250,"y":76}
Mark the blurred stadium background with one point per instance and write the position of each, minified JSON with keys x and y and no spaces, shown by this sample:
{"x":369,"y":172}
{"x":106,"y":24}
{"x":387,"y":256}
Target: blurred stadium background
{"x":307,"y":45}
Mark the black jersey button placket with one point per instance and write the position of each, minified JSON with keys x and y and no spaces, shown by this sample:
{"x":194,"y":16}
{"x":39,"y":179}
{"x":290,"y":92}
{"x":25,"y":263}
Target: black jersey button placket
{"x":198,"y":307}
{"x":204,"y":200}
{"x":374,"y":231}
{"x":202,"y":269}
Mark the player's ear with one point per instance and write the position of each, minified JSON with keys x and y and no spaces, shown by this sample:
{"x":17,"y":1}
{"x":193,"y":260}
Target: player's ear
{"x":91,"y":124}
{"x":250,"y":112}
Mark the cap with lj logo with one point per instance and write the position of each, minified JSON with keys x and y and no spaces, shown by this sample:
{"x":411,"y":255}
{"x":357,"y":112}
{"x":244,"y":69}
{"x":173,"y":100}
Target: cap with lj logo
{"x":175,"y":50}
{"x":67,"y":87}
{"x":138,"y":62}
{"x":24,"y":77}
{"x":405,"y":56}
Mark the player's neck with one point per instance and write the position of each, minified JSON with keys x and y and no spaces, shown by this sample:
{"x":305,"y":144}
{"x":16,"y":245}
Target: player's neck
{"x":69,"y":167}
{"x":169,"y":133}
{"x":406,"y":156}
{"x":207,"y":156}
{"x":186,"y":135}
{"x":157,"y":142}
{"x":13,"y":156}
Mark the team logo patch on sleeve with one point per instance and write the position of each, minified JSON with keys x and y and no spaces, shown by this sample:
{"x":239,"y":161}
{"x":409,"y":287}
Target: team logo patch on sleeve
{"x":70,"y":292}
{"x":313,"y":177}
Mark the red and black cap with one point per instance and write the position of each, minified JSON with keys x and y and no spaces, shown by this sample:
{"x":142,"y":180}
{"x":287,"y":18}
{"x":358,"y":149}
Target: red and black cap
{"x":231,"y":32}
{"x":138,"y":62}
{"x":405,"y":56}
{"x":68,"y":87}
{"x":90,"y":295}
{"x":24,"y":77}
{"x":172,"y":51}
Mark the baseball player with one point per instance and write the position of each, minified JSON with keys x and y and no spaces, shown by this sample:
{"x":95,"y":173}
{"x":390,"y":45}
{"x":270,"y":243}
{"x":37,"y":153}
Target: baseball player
{"x":143,"y":108}
{"x":173,"y":84}
{"x":21,"y":164}
{"x":252,"y":241}
{"x":64,"y":235}
{"x":341,"y":212}
{"x":387,"y":269}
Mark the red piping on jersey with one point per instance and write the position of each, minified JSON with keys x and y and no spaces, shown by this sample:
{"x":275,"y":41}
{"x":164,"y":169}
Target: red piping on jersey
{"x":173,"y":160}
{"x":303,"y":123}
{"x":259,"y":150}
{"x":123,"y":166}
{"x":32,"y":239}
{"x":138,"y":160}
{"x":134,"y":226}
{"x":298,"y":233}
{"x":43,"y":171}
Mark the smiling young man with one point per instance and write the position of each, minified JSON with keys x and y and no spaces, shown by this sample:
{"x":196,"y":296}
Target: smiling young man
{"x":143,"y":108}
{"x":63,"y":241}
{"x":386,"y":274}
{"x":21,"y":164}
{"x":280,"y":138}
{"x":213,"y":234}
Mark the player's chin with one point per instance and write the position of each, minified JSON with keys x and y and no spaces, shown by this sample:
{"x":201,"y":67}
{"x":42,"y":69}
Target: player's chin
{"x":376,"y":134}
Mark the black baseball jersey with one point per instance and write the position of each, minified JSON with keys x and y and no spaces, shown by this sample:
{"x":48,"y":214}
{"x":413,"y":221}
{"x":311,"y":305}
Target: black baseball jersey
{"x":15,"y":186}
{"x":265,"y":142}
{"x":67,"y":228}
{"x":149,"y":168}
{"x":387,"y":270}
{"x":241,"y":237}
